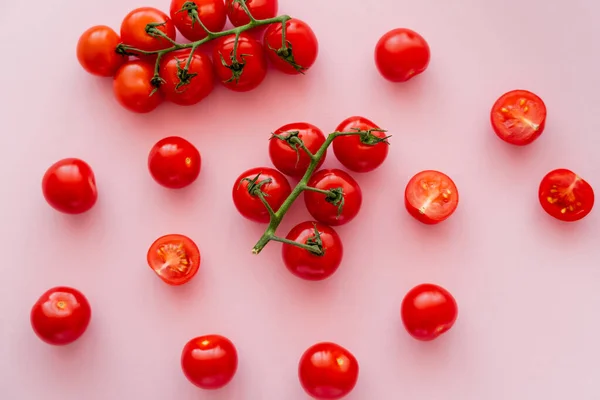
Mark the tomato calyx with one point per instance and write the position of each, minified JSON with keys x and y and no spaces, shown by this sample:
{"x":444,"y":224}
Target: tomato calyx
{"x":192,"y":10}
{"x":286,"y":53}
{"x":255,"y":186}
{"x":313,"y":244}
{"x":236,"y":67}
{"x":367,"y":137}
{"x":293,"y":139}
{"x":333,"y":196}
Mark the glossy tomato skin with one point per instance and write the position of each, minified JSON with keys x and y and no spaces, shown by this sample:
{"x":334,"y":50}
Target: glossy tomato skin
{"x":328,"y":371}
{"x":401,"y":54}
{"x":96,"y":51}
{"x":353,"y":152}
{"x":565,"y":195}
{"x":133,"y":29}
{"x":133,"y":87}
{"x":174,"y":258}
{"x":60,"y":316}
{"x":289,"y":161}
{"x":307,"y":265}
{"x":251,"y":66}
{"x":211,"y":13}
{"x":210,"y":361}
{"x":326,"y":211}
{"x":69,"y":186}
{"x":260,"y":9}
{"x":276,"y":191}
{"x":194,"y":87}
{"x":303,"y":42}
{"x":428,"y":311}
{"x":431,"y":197}
{"x":174,"y":162}
{"x":519,"y":117}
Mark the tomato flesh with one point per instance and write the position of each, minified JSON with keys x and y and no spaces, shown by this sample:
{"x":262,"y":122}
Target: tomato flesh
{"x":519,"y":117}
{"x":428,"y":311}
{"x":431,"y":197}
{"x":174,"y":258}
{"x":565,"y":195}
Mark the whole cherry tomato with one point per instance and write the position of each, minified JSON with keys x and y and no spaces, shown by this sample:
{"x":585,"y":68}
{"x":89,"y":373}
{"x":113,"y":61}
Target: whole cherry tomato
{"x":260,"y":9}
{"x":186,"y":87}
{"x":401,"y":54}
{"x":174,"y":162}
{"x":328,"y":371}
{"x":317,"y":264}
{"x":209,"y":361}
{"x":247,"y":69}
{"x":518,"y":117}
{"x":60,"y":316}
{"x":96,"y":51}
{"x":133,"y":87}
{"x":69,"y":186}
{"x":273,"y":185}
{"x":174,"y":258}
{"x":135,"y":25}
{"x":431,"y":197}
{"x":333,"y":197}
{"x":186,"y":16}
{"x":428,"y":311}
{"x":286,"y":153}
{"x":301,"y":47}
{"x":565,"y":195}
{"x":360,"y":153}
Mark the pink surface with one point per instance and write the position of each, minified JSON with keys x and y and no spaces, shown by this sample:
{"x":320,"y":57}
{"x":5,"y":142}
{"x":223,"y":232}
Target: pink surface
{"x":526,"y":285}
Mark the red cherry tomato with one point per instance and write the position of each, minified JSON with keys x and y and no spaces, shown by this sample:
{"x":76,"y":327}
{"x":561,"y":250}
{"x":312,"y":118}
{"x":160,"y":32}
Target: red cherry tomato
{"x":96,"y":51}
{"x":272,"y":183}
{"x":209,"y":361}
{"x":360,"y":153}
{"x":260,"y":9}
{"x":313,"y":265}
{"x":186,"y":16}
{"x":174,"y":258}
{"x":249,"y":68}
{"x":189,"y":87}
{"x":565,"y":195}
{"x":328,"y":371}
{"x":133,"y":87}
{"x":431,"y":197}
{"x":174,"y":162}
{"x":285,"y":152}
{"x":338,"y":199}
{"x":60,"y":316}
{"x":518,"y":117}
{"x":301,"y":49}
{"x":401,"y":54}
{"x":69,"y":186}
{"x":135,"y":24}
{"x":428,"y":311}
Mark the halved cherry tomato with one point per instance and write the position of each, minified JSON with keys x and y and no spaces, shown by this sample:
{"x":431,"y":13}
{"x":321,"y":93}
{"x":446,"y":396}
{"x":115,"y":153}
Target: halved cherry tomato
{"x":302,"y":47}
{"x":565,"y":195}
{"x":175,"y":259}
{"x":431,"y":197}
{"x":360,"y":153}
{"x":186,"y":88}
{"x":247,"y":69}
{"x":518,"y":117}
{"x":260,"y":9}
{"x":401,"y":54}
{"x":96,"y":51}
{"x":174,"y":162}
{"x":133,"y":87}
{"x":341,"y":202}
{"x":185,"y":15}
{"x":134,"y":29}
{"x":209,"y":361}
{"x":69,"y":186}
{"x":428,"y":311}
{"x":285,"y":152}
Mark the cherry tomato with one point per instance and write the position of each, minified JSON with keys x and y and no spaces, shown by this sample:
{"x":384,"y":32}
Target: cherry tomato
{"x":60,"y":316}
{"x":134,"y":29}
{"x":301,"y":49}
{"x":401,"y":54}
{"x":328,"y":371}
{"x":175,"y":259}
{"x":428,"y":311}
{"x":518,"y":117}
{"x":338,"y":199}
{"x":313,"y":265}
{"x":189,"y":87}
{"x":96,"y":51}
{"x":249,"y":68}
{"x":133,"y":87}
{"x":209,"y":361}
{"x":260,"y":9}
{"x":431,"y":197}
{"x":187,"y":14}
{"x":565,"y":195}
{"x":285,"y":152}
{"x":174,"y":162}
{"x":69,"y":186}
{"x":360,"y":153}
{"x":272,"y":183}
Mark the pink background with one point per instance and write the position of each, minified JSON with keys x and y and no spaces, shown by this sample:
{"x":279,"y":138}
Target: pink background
{"x":527,"y":285}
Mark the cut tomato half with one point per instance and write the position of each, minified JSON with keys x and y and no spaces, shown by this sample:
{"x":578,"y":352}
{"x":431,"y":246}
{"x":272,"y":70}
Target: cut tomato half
{"x":565,"y":195}
{"x":174,"y":258}
{"x":431,"y":197}
{"x":519,"y":117}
